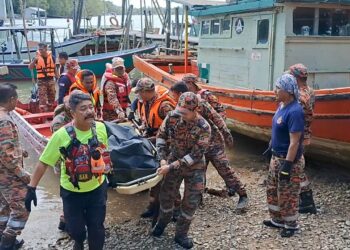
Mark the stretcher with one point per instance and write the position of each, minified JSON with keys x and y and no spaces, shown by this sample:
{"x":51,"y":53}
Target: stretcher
{"x":134,"y":160}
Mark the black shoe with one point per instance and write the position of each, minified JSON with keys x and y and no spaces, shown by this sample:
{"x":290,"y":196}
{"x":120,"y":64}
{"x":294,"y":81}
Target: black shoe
{"x":307,"y":204}
{"x":242,"y":203}
{"x":288,"y":232}
{"x":271,"y":223}
{"x":184,"y":241}
{"x":18,"y":244}
{"x":7,"y":243}
{"x":78,"y":245}
{"x":158,"y":230}
{"x":62,"y":226}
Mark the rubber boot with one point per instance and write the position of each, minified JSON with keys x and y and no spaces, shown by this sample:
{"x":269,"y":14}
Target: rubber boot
{"x":78,"y":245}
{"x":306,"y":203}
{"x":18,"y":243}
{"x":184,"y":241}
{"x":7,"y":243}
{"x":176,"y":214}
{"x":150,"y":211}
{"x":242,"y":203}
{"x":62,"y":224}
{"x":158,"y":230}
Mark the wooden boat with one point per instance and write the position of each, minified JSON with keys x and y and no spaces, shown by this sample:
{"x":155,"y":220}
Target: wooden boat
{"x":96,"y":63}
{"x":35,"y":128}
{"x":250,"y":112}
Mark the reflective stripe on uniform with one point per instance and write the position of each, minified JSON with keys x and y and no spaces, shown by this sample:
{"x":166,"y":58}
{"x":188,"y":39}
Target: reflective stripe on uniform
{"x":166,"y":210}
{"x":12,"y":223}
{"x":160,"y":141}
{"x":289,"y":227}
{"x":273,"y":207}
{"x":304,"y":183}
{"x":291,"y":218}
{"x":188,"y":159}
{"x":187,"y":217}
{"x":4,"y":218}
{"x":276,"y":223}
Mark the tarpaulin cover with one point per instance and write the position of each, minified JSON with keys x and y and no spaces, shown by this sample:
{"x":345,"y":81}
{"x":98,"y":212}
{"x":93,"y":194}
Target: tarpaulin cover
{"x":132,"y":156}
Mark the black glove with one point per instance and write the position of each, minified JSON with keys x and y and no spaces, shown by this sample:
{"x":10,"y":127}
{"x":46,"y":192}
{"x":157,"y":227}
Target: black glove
{"x":30,"y":196}
{"x":131,"y":116}
{"x":150,"y":131}
{"x":285,"y":170}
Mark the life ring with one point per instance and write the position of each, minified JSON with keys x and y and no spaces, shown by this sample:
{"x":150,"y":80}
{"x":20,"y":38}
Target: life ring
{"x":114,"y":21}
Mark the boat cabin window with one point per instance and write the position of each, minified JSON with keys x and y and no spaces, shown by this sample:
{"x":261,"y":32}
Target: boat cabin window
{"x":321,"y":22}
{"x":215,"y":26}
{"x":263,"y":31}
{"x":226,"y":26}
{"x":205,"y":27}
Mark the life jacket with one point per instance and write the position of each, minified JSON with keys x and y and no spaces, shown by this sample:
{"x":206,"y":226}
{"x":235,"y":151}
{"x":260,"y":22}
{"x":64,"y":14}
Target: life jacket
{"x":123,"y":87}
{"x":45,"y":70}
{"x":154,"y":121}
{"x":83,"y":161}
{"x":95,"y":95}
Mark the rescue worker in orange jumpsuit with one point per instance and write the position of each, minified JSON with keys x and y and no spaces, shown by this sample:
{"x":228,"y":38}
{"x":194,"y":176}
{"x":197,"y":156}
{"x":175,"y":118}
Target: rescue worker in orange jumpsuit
{"x":87,"y":83}
{"x":44,"y":63}
{"x":156,"y":104}
{"x":307,"y":101}
{"x":116,"y":88}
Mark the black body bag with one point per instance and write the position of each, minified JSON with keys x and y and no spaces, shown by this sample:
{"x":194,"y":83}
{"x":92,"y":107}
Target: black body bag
{"x":132,"y":156}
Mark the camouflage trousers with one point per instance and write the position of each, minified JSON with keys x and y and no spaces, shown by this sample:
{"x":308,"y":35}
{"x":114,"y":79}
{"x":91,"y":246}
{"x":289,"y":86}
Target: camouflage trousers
{"x":305,"y":184}
{"x":217,"y":156}
{"x":47,"y":94}
{"x":154,"y":195}
{"x":13,"y":214}
{"x":109,"y":115}
{"x":283,"y":197}
{"x":194,"y":186}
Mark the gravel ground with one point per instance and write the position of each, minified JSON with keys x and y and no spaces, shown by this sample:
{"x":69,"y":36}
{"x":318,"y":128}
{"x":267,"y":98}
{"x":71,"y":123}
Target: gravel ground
{"x":218,"y":226}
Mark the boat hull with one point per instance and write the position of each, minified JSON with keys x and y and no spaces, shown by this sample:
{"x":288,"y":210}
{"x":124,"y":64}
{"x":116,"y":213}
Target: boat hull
{"x":70,"y":47}
{"x":250,"y":113}
{"x":96,"y":63}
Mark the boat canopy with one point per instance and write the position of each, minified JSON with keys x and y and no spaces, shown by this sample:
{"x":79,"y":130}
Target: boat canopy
{"x":193,"y":3}
{"x":240,"y":6}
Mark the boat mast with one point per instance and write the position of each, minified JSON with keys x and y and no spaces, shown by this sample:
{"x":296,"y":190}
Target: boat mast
{"x":142,"y":41}
{"x":168,"y":26}
{"x":23,"y":4}
{"x":9,"y":7}
{"x":104,"y":22}
{"x":186,"y":38}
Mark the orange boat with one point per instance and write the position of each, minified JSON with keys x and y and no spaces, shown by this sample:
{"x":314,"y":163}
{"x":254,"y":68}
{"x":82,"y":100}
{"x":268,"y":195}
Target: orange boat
{"x":35,"y":127}
{"x":250,"y":112}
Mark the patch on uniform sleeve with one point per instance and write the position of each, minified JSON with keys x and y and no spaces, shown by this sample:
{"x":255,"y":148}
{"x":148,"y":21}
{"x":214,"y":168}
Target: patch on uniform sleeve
{"x":279,"y":120}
